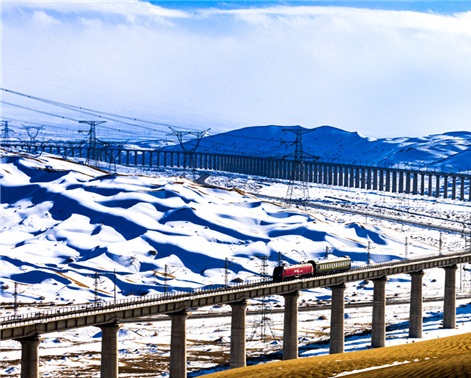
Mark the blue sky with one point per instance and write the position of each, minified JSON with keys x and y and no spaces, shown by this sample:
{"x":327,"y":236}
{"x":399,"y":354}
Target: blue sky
{"x":384,"y":69}
{"x":445,"y":7}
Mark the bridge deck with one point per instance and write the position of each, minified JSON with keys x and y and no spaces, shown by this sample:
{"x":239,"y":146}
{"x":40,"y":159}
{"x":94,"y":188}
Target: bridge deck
{"x":60,"y":319}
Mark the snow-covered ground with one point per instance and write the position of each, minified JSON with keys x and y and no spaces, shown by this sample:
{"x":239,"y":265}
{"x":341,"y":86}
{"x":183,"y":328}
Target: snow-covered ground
{"x":67,"y":230}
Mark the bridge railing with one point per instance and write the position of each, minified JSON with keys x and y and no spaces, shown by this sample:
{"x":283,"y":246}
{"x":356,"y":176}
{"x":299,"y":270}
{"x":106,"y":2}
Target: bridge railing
{"x":121,"y":304}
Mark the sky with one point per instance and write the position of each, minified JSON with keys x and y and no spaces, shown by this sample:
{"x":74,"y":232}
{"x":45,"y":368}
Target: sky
{"x":383,"y":69}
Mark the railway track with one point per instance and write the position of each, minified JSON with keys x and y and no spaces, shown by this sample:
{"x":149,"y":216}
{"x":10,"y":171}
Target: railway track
{"x":387,"y":213}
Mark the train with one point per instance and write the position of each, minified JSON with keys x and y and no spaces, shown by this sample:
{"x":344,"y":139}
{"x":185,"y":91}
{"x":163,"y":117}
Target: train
{"x":312,"y":268}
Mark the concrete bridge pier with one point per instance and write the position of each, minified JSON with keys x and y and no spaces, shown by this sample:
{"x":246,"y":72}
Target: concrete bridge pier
{"x":178,"y":345}
{"x":437,"y":185}
{"x":453,"y":187}
{"x":445,"y":186}
{"x":290,"y":332}
{"x":378,"y":331}
{"x":29,"y":357}
{"x":238,"y":356}
{"x":449,"y":308}
{"x":394,"y":181}
{"x":337,"y":326}
{"x":109,"y":350}
{"x":416,"y":301}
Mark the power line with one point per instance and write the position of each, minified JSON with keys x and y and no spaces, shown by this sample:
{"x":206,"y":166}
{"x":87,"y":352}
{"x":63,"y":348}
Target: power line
{"x":37,"y":111}
{"x":121,"y":119}
{"x":84,"y":110}
{"x":186,"y":110}
{"x":111,"y":116}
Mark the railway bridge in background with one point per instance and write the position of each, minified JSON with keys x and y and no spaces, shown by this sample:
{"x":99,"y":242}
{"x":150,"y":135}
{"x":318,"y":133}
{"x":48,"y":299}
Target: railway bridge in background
{"x":424,"y":182}
{"x":27,"y":328}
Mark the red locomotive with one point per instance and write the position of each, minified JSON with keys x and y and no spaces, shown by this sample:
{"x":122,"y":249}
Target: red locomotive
{"x":312,"y":268}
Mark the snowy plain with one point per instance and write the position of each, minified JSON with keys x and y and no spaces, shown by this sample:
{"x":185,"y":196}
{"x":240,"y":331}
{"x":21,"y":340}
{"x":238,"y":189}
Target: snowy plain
{"x":71,"y":234}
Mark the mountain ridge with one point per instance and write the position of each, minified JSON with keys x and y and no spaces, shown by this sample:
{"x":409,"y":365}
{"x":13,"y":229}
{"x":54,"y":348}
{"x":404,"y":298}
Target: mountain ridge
{"x":331,"y":144}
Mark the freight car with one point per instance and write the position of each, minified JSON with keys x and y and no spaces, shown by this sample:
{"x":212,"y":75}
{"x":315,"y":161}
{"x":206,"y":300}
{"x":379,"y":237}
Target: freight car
{"x":312,"y":268}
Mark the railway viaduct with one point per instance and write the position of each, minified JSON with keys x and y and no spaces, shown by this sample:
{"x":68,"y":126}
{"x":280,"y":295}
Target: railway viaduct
{"x":421,"y":182}
{"x":27,"y":328}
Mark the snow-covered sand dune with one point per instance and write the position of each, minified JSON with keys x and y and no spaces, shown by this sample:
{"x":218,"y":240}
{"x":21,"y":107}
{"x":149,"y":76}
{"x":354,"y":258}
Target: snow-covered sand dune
{"x":68,"y":230}
{"x":62,"y":222}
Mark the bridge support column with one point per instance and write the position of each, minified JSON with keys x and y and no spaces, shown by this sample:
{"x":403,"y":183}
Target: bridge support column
{"x":378,"y":331}
{"x":453,"y":187}
{"x":394,"y":182}
{"x":238,"y":350}
{"x":437,"y":185}
{"x":416,"y":301}
{"x":415,"y":183}
{"x":178,"y":345}
{"x":29,"y":357}
{"x":430,"y":185}
{"x":462,"y":189}
{"x":109,"y":350}
{"x":337,"y":327}
{"x":449,"y":308}
{"x":290,"y":332}
{"x":401,"y":182}
{"x":388,"y":181}
{"x":445,"y":186}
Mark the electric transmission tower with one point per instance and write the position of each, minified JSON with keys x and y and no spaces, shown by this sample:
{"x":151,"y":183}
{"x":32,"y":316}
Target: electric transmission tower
{"x":263,"y":322}
{"x":298,"y":177}
{"x":33,"y":132}
{"x":189,"y":150}
{"x":5,"y":136}
{"x":93,"y":153}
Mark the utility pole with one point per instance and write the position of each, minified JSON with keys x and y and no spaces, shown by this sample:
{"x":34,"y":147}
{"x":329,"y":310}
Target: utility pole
{"x":96,"y":288}
{"x":114,"y":285}
{"x":15,"y":298}
{"x":406,"y":246}
{"x":166,"y":274}
{"x":92,"y":152}
{"x":440,"y":244}
{"x":16,"y":293}
{"x":298,"y":171}
{"x":226,"y":272}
